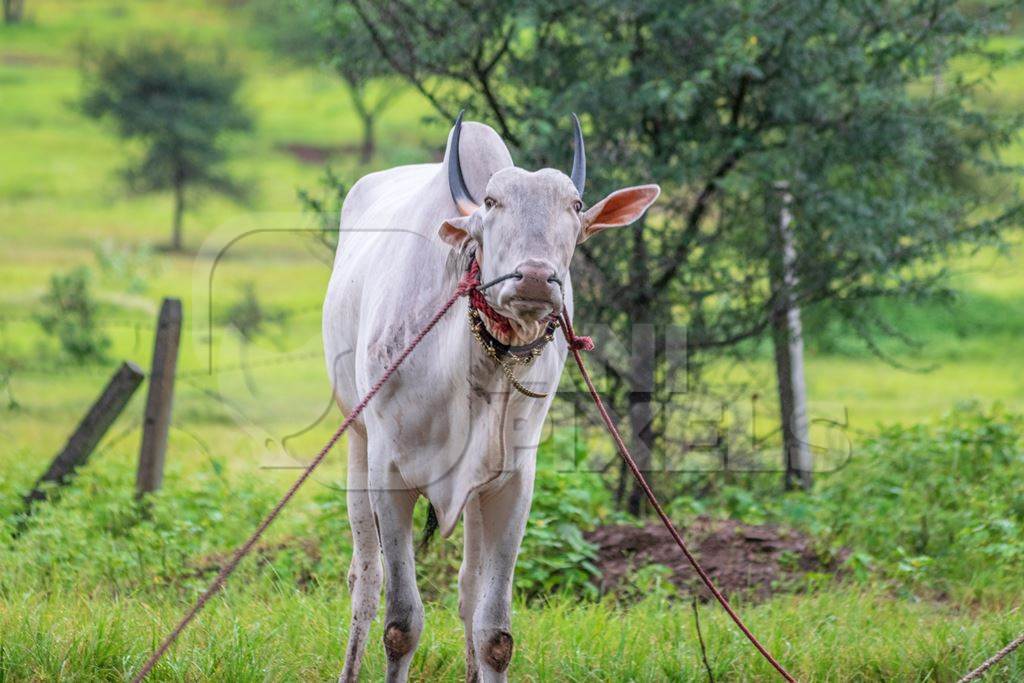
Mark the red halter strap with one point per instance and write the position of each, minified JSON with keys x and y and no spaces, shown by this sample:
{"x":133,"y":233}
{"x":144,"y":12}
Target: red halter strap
{"x":469,"y":283}
{"x":478,"y":301}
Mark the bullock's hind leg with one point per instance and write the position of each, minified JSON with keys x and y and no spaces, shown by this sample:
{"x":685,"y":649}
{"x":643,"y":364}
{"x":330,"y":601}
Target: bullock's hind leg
{"x":403,"y":624}
{"x":503,"y":513}
{"x":365,"y":574}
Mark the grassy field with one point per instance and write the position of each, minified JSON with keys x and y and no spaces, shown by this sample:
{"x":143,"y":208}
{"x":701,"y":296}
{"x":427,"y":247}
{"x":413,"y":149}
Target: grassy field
{"x":77,"y":600}
{"x":258,"y":633}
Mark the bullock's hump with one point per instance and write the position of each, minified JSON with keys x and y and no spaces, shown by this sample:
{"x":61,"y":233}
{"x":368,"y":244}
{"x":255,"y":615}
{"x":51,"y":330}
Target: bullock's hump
{"x":382,"y":186}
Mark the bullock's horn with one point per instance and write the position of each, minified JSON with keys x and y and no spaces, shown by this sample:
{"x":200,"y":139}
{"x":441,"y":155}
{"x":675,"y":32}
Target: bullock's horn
{"x":579,"y":157}
{"x":456,"y":183}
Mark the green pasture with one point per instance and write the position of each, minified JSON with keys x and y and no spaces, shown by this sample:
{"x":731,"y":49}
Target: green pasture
{"x":259,"y":633}
{"x":76,"y":606}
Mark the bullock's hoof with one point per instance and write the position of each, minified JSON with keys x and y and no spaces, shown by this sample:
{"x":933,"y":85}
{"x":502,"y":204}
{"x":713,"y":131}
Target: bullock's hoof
{"x":498,"y":652}
{"x":397,"y":641}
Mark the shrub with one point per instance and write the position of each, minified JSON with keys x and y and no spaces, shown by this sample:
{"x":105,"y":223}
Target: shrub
{"x":323,"y":204}
{"x":936,"y":504}
{"x":555,"y":556}
{"x":934,"y":507}
{"x":125,"y":266}
{"x":69,"y":314}
{"x":250,"y":317}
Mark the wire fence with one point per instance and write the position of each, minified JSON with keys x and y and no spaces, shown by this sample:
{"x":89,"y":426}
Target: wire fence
{"x":16,"y":367}
{"x":197,"y":382}
{"x":142,"y":329}
{"x":147,"y":319}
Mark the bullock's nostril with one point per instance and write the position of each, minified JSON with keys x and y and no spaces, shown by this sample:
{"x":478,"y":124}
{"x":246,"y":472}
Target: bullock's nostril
{"x":536,"y":281}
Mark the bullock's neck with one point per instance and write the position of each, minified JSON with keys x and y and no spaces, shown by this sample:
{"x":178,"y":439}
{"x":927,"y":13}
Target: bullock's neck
{"x":485,"y":374}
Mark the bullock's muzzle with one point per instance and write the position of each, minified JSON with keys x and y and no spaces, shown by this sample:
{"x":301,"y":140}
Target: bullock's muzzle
{"x":534,"y":293}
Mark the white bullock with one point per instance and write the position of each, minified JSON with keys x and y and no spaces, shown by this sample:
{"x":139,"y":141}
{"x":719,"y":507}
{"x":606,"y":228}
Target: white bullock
{"x":448,"y":425}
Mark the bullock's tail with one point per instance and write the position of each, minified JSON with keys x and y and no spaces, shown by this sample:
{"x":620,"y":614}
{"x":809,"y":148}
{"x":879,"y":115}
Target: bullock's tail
{"x":429,"y":529}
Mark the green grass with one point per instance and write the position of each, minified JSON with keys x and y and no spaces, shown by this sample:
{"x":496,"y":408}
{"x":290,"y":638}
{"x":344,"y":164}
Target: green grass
{"x":255,"y":633}
{"x":73,"y":606}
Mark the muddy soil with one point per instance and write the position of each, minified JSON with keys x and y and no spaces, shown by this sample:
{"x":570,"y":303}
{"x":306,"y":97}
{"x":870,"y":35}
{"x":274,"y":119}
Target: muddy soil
{"x":754,"y":561}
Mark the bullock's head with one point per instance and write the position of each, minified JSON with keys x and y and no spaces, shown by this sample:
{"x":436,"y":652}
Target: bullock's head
{"x":529,"y":224}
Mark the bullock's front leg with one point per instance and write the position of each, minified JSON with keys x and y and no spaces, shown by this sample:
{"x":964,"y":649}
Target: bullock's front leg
{"x":469,"y":579}
{"x":503,"y":514}
{"x":404,"y":613}
{"x":365,"y":574}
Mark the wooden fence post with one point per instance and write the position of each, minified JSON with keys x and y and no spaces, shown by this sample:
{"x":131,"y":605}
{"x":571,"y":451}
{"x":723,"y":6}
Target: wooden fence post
{"x":90,"y":430}
{"x":787,"y":337}
{"x":157,"y":421}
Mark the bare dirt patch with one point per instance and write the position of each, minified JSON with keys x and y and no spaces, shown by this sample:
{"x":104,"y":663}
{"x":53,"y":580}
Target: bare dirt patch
{"x":316,"y":154}
{"x":27,"y":59}
{"x":751,"y":560}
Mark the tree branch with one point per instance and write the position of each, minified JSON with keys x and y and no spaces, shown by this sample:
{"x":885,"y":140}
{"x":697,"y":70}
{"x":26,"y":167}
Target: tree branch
{"x":396,"y":64}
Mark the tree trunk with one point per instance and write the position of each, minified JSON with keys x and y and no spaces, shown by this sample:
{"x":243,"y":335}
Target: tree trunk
{"x":641,"y":411}
{"x":357,"y":93}
{"x":179,"y":213}
{"x":13,"y":11}
{"x":787,"y":338}
{"x":642,"y":365}
{"x":369,"y":140}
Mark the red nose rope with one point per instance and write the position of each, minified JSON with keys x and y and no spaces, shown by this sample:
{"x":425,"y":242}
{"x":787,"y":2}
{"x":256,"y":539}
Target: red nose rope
{"x":467,"y":286}
{"x":499,"y":322}
{"x":478,"y":301}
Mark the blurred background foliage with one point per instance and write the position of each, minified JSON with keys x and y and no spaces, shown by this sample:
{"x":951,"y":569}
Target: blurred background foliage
{"x":892,"y":167}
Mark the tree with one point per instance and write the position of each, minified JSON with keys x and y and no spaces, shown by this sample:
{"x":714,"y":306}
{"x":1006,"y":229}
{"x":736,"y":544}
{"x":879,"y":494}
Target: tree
{"x":250,"y":318}
{"x":717,"y":102}
{"x":330,"y":33}
{"x":69,"y":313}
{"x":180,"y":105}
{"x":14,"y":10}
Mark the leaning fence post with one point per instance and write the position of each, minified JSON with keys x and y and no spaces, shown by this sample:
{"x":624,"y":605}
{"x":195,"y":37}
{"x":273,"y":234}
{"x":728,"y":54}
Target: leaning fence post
{"x":90,"y":430}
{"x":157,"y":420}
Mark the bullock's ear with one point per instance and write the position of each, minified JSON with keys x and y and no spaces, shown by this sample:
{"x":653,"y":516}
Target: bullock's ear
{"x":455,"y":231}
{"x":621,"y":207}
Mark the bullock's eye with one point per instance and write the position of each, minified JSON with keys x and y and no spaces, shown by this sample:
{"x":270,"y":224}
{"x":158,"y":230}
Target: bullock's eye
{"x":489,"y":202}
{"x":577,"y":206}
